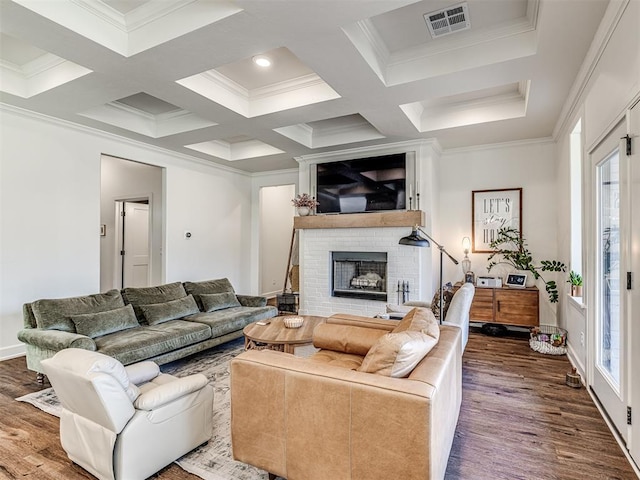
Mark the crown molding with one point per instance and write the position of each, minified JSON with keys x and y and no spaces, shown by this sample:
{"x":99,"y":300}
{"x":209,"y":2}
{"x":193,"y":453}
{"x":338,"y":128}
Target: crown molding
{"x":222,"y":81}
{"x":452,"y":43}
{"x":151,"y":11}
{"x":139,"y":17}
{"x":103,"y":12}
{"x":275,"y":173}
{"x":286,"y":86}
{"x":13,"y":67}
{"x":248,"y":95}
{"x":382,"y":149}
{"x":493,"y":146}
{"x":35,"y":67}
{"x":129,"y":110}
{"x":112,"y":136}
{"x":371,"y":34}
{"x":599,"y":44}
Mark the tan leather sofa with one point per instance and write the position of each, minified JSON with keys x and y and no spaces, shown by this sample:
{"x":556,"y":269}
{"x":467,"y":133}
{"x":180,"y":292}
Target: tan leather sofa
{"x":317,"y":418}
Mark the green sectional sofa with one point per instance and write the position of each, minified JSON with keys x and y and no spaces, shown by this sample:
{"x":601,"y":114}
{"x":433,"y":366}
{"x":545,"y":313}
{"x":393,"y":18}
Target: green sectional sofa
{"x":161,"y":323}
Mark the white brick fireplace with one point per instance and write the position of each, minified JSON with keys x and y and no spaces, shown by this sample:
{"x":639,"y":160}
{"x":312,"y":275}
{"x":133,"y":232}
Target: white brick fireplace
{"x":369,"y":232}
{"x":408,"y":264}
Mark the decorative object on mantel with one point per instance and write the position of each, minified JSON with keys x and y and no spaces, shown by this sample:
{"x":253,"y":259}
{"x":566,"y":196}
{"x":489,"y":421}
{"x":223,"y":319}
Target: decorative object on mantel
{"x":511,"y":249}
{"x":492,"y":210}
{"x":417,"y":203}
{"x":575,"y":279}
{"x":416,"y":240}
{"x":293,"y":321}
{"x":304,"y":204}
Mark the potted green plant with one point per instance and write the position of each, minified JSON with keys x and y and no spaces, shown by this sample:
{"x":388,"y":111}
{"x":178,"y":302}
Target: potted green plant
{"x":510,"y":248}
{"x":575,"y":279}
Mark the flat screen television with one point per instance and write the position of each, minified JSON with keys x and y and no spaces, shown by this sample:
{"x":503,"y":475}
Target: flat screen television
{"x":362,"y":185}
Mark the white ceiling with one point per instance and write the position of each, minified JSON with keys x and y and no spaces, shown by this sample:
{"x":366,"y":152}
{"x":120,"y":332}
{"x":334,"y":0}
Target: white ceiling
{"x":179,"y":73}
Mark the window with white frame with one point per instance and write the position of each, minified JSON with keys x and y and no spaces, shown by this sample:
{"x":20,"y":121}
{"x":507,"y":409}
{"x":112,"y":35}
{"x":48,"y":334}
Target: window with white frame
{"x":575,"y":164}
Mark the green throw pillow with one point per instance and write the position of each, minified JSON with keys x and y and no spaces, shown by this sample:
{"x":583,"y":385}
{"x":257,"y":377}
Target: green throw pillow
{"x":218,"y":301}
{"x":219,"y":285}
{"x":163,"y":312}
{"x":138,"y":296}
{"x":102,"y":323}
{"x":55,"y":314}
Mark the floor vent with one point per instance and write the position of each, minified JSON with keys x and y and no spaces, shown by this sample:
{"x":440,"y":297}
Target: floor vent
{"x":448,"y":20}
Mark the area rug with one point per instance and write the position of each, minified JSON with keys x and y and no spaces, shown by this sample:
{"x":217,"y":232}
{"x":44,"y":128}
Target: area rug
{"x":212,"y":461}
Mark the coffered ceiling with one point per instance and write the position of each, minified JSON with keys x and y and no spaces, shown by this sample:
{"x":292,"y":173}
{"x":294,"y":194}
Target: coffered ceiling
{"x":180,"y":74}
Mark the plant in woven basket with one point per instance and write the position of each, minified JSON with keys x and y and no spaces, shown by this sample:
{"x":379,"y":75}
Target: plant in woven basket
{"x":510,"y":248}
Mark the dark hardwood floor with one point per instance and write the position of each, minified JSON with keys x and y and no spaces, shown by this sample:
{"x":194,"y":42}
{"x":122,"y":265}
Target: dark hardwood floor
{"x":518,"y":421}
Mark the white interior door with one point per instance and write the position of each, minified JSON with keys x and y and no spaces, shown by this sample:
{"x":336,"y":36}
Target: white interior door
{"x":634,"y":292}
{"x":135,"y":266}
{"x":610,"y":209}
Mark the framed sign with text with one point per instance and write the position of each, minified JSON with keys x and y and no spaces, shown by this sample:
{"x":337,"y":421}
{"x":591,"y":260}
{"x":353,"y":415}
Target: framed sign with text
{"x":492,"y":210}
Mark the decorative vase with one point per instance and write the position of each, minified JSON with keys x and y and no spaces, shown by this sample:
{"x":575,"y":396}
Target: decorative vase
{"x":531,"y":280}
{"x":303,"y":211}
{"x":293,"y":321}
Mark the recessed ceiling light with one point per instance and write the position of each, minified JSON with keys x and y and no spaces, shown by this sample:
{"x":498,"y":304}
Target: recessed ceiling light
{"x":262,"y":61}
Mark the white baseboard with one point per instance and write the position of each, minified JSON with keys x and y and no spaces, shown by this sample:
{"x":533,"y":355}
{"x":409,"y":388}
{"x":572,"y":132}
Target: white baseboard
{"x":575,"y":361}
{"x":614,"y":432}
{"x":271,"y":294}
{"x":12,"y":352}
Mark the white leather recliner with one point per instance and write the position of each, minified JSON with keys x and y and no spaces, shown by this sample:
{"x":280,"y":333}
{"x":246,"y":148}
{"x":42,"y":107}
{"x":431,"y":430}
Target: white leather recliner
{"x":126,"y":423}
{"x":458,"y":313}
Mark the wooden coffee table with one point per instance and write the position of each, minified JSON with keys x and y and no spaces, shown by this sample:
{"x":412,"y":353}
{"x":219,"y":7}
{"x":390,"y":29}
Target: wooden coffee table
{"x":275,"y":336}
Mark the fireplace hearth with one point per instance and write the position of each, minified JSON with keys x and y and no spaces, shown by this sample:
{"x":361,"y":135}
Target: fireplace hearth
{"x":359,"y":275}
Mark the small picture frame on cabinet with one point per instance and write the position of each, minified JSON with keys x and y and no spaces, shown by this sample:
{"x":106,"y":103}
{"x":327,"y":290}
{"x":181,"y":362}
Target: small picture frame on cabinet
{"x":516,"y":280}
{"x":469,"y":277}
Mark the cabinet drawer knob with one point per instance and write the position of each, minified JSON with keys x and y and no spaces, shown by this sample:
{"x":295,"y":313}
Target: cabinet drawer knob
{"x":498,"y":305}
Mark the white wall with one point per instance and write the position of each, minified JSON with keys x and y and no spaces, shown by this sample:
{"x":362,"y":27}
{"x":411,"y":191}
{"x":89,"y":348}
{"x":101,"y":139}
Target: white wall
{"x":616,"y":79}
{"x":50,"y":215}
{"x":529,"y":165}
{"x":123,"y":180}
{"x":276,"y":227}
{"x":609,"y":85}
{"x":258,"y":181}
{"x":215,"y":206}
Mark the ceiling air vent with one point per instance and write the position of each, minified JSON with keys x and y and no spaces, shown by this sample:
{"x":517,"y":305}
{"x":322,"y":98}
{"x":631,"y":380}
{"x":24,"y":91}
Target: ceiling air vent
{"x":448,"y":20}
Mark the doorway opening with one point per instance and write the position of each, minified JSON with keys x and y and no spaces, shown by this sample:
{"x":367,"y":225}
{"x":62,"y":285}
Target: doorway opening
{"x":131,"y":217}
{"x":276,"y":225}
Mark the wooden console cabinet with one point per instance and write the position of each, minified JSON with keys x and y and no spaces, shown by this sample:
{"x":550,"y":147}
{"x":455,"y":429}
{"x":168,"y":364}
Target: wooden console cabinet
{"x":506,"y":305}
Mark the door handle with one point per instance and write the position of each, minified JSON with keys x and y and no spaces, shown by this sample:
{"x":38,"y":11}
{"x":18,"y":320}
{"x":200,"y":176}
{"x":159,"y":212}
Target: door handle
{"x":498,"y":305}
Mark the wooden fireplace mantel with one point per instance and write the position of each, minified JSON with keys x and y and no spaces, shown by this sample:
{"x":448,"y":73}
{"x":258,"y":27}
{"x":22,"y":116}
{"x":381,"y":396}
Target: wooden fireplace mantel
{"x":362,"y":220}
